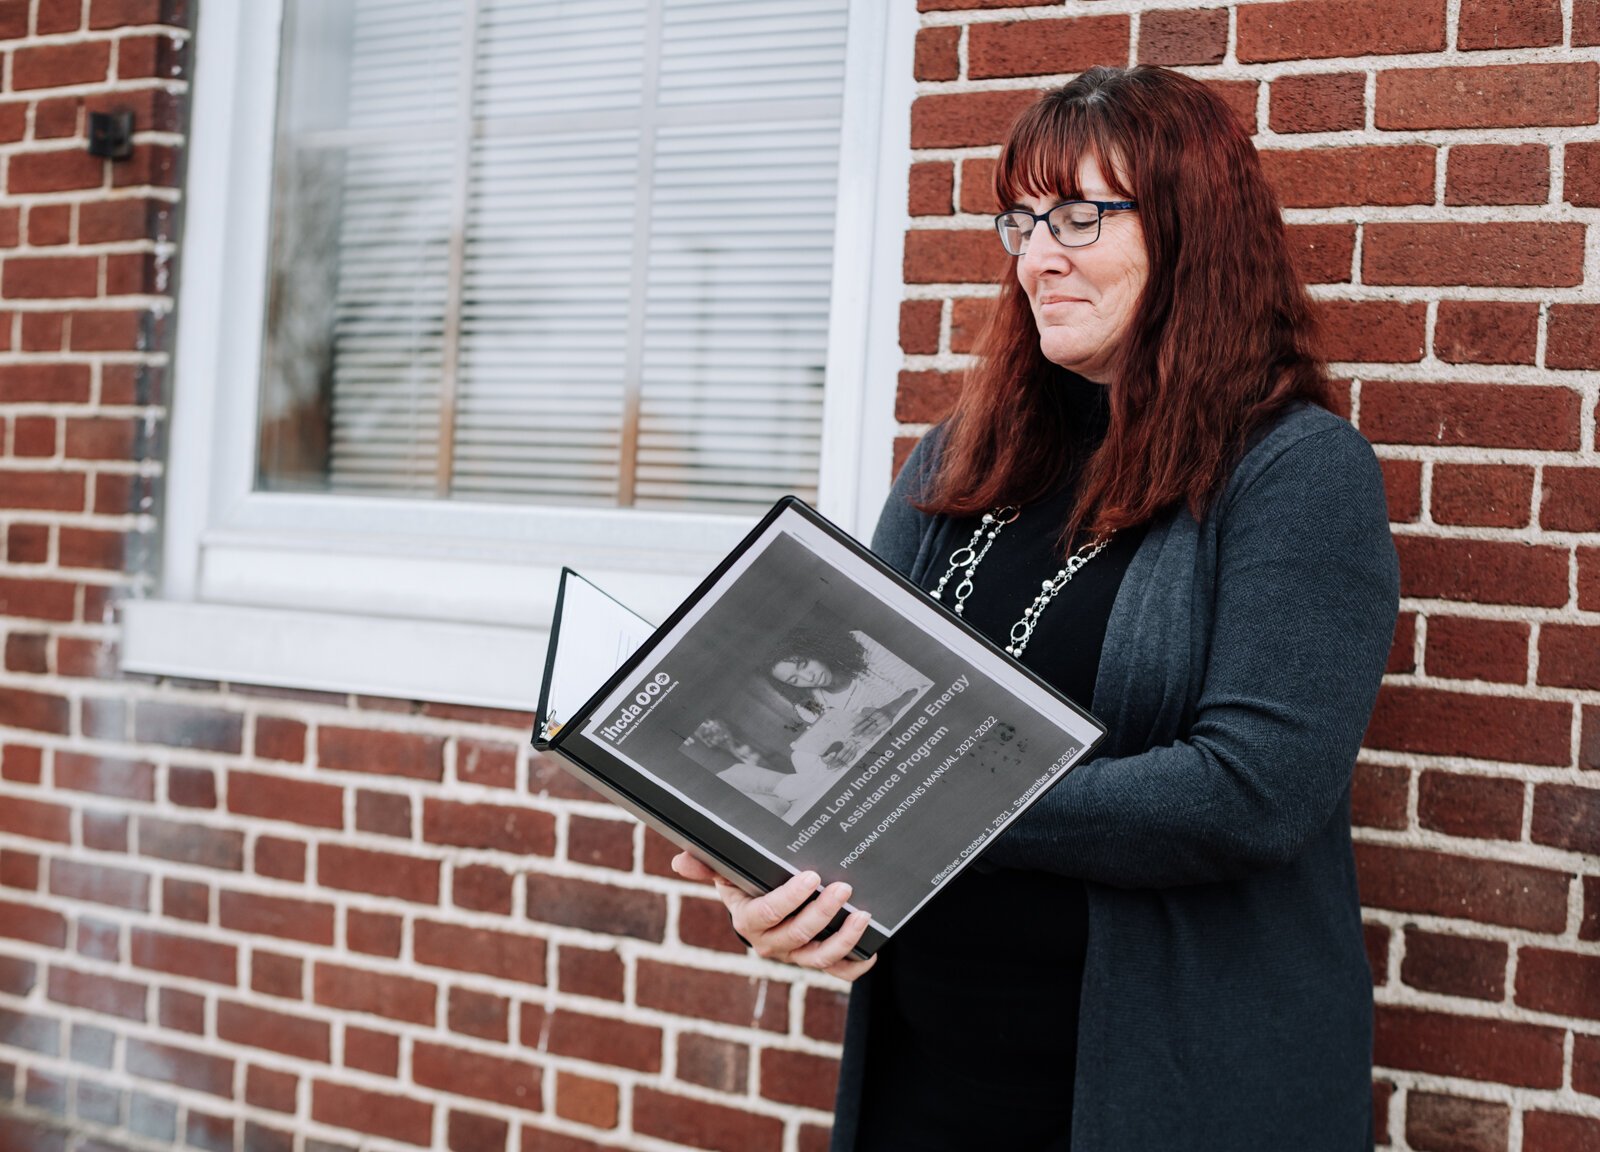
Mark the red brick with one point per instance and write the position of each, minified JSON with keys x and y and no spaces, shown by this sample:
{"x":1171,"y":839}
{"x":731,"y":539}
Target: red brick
{"x":481,"y":888}
{"x":196,"y":1071}
{"x":150,"y":57}
{"x":600,"y":843}
{"x":1483,"y":571}
{"x":44,"y":491}
{"x":402,"y":877}
{"x":14,"y":19}
{"x":1586,"y":1064}
{"x":1376,"y":938}
{"x":192,"y":787}
{"x":274,"y":1091}
{"x":1589,"y":740}
{"x":1378,"y":331}
{"x":681,"y":1120}
{"x":280,"y":739}
{"x":273,"y":974}
{"x":58,"y":16}
{"x":387,"y":753}
{"x":37,"y":711}
{"x":1571,"y":501}
{"x":1585,"y":23}
{"x":49,"y":225}
{"x":88,"y":548}
{"x":191,"y":843}
{"x":370,"y":1051}
{"x":721,"y":1065}
{"x":27,"y":652}
{"x":524,"y":831}
{"x":185,"y":956}
{"x":596,"y":907}
{"x":1438,"y":1123}
{"x":401,"y":1118}
{"x":281,"y":916}
{"x":1322,"y":252}
{"x":967,"y":119}
{"x":1565,"y":816}
{"x":478,"y":1014}
{"x":154,"y":165}
{"x":123,"y":13}
{"x":35,"y":925}
{"x":1508,"y":24}
{"x":502,"y":954}
{"x":463,"y":1073}
{"x":517,"y":719}
{"x":1465,"y":648}
{"x":1463,"y":888}
{"x":1174,"y":36}
{"x":1558,"y":1132}
{"x":1378,"y":796}
{"x":50,"y":277}
{"x":1454,"y":965}
{"x":1322,"y":177}
{"x":374,"y":933}
{"x":1533,"y":255}
{"x":1312,"y":29}
{"x":1490,"y":495}
{"x":747,"y":1001}
{"x":1563,"y":983}
{"x":969,"y":317}
{"x":105,"y":831}
{"x":21,"y":763}
{"x":1498,"y":174}
{"x":953,"y":256}
{"x":96,"y":992}
{"x":977,"y":186}
{"x":1430,"y":721}
{"x":798,"y":1078}
{"x":1574,"y":336}
{"x":1473,"y":1048}
{"x":35,"y":436}
{"x":1589,"y":579}
{"x":378,"y":994}
{"x":704,"y":924}
{"x":1476,"y":415}
{"x":100,"y":884}
{"x":35,"y":819}
{"x":483,"y":762}
{"x":1486,"y":332}
{"x":1327,"y":102}
{"x":926,"y":397}
{"x":383,"y":813}
{"x":546,"y":777}
{"x":1027,"y":47}
{"x":1509,"y":96}
{"x":1402,"y":487}
{"x":53,"y":383}
{"x":919,"y":326}
{"x":590,"y":972}
{"x":599,"y":1039}
{"x":931,"y":188}
{"x":186,"y":900}
{"x":19,"y":870}
{"x":468,"y":1132}
{"x":295,"y":1036}
{"x":37,"y":599}
{"x":1582,"y":174}
{"x":274,"y":797}
{"x":188,"y":726}
{"x":58,"y":65}
{"x":1569,"y":656}
{"x":45,"y":332}
{"x":938,"y":53}
{"x":586,"y":1100}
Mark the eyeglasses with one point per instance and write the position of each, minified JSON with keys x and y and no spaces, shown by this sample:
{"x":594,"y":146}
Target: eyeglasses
{"x":1073,"y":223}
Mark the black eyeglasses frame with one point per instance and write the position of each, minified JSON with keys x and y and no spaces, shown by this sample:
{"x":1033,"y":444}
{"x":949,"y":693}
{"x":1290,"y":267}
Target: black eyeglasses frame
{"x":1101,"y":208}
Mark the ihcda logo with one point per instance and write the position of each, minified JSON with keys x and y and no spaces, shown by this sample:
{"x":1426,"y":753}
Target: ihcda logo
{"x":659,"y":684}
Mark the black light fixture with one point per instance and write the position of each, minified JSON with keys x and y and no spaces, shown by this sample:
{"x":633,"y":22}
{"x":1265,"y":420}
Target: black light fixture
{"x":111,"y":134}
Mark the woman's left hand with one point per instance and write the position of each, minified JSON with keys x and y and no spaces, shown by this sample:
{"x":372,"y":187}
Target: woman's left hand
{"x":782,"y":926}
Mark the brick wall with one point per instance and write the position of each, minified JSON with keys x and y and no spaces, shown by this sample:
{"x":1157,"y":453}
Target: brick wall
{"x":236,"y":917}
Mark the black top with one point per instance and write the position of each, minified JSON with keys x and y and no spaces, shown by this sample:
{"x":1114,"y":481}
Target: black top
{"x":974,"y":1046}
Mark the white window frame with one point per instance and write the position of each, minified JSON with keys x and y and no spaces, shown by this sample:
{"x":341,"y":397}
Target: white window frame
{"x":450,"y":601}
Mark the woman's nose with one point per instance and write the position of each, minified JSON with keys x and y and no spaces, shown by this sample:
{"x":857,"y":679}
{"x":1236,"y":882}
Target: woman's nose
{"x":1044,"y":252}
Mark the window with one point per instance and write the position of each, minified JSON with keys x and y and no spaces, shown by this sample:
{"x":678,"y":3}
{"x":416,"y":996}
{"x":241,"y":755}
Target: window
{"x":472,"y":289}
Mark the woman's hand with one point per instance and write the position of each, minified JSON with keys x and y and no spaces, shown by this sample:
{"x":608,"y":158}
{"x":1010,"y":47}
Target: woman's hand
{"x":778,"y":928}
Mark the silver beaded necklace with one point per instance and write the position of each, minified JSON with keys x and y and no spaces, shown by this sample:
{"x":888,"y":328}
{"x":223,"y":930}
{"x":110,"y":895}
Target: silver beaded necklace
{"x":967,"y":558}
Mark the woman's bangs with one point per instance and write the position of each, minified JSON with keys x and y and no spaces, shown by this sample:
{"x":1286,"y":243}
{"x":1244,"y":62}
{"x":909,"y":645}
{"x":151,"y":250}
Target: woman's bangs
{"x":1044,"y":152}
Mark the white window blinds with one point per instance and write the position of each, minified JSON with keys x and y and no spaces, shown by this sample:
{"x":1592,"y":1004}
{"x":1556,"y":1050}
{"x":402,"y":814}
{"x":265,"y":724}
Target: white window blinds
{"x":576,"y":252}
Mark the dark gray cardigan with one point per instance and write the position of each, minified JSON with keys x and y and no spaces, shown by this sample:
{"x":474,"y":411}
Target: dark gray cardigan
{"x":1226,"y":997}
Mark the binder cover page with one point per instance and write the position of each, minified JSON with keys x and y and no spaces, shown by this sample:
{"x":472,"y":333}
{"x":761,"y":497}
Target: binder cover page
{"x":815,"y":708}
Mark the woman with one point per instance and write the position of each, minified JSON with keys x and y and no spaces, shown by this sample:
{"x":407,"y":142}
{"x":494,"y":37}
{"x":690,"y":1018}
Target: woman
{"x":854,"y":689}
{"x":1166,"y":950}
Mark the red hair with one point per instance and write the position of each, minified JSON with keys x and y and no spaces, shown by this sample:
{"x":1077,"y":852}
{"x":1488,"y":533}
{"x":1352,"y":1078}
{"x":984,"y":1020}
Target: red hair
{"x":1221,"y":339}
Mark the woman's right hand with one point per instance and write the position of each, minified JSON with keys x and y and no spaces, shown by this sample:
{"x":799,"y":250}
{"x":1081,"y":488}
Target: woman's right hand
{"x":779,"y":928}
